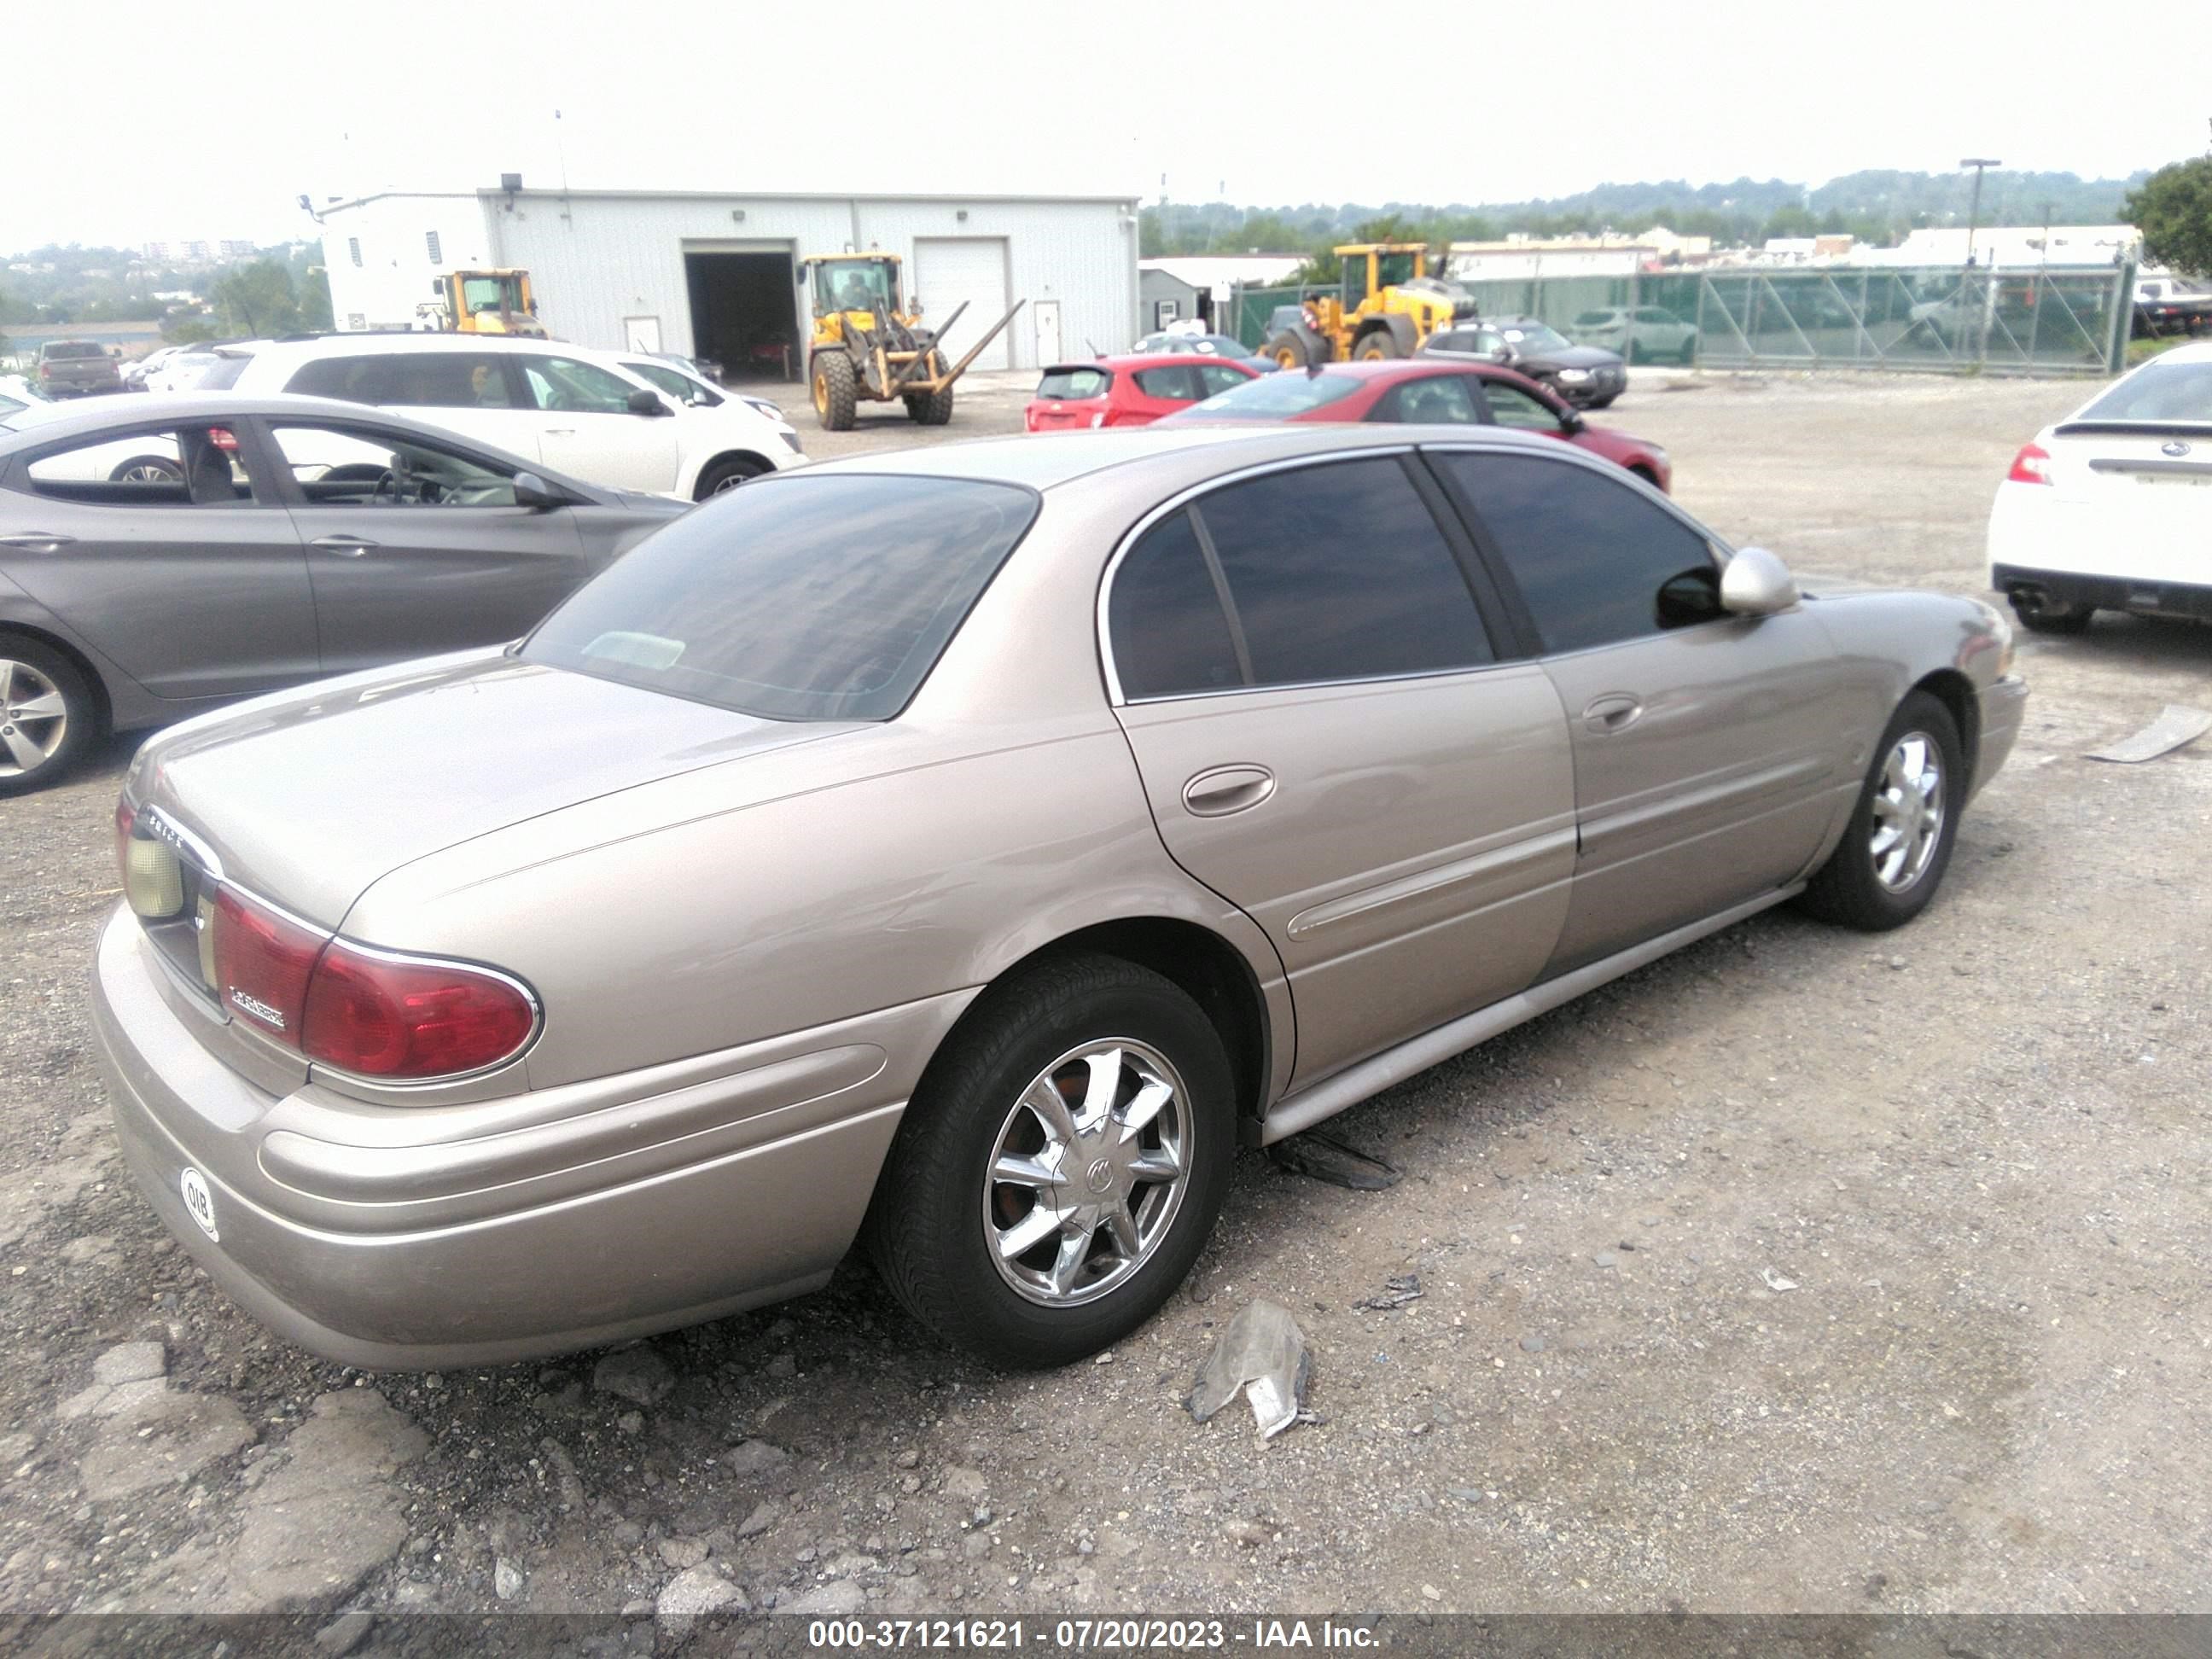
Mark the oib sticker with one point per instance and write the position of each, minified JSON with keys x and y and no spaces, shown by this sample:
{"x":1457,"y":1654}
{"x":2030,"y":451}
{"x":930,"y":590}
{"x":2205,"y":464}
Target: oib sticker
{"x":199,"y":1200}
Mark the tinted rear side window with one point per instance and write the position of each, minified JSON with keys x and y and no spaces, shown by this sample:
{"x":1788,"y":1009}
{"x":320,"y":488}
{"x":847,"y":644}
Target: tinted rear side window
{"x":1061,"y":383}
{"x":1170,"y":636}
{"x":422,"y":379}
{"x":1589,"y":556}
{"x":800,"y":600}
{"x":1339,"y":572}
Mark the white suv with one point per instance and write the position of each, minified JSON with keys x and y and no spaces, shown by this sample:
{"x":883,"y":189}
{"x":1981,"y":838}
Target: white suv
{"x":577,"y":411}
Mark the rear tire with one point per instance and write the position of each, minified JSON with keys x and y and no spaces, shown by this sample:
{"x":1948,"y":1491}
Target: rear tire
{"x":835,"y":394}
{"x":1108,"y":1238}
{"x":1374,"y":346}
{"x":50,"y":717}
{"x":1893,"y":857}
{"x":1288,"y":350}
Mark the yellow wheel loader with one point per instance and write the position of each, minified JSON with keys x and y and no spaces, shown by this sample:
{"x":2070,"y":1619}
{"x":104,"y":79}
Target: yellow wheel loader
{"x":483,"y":302}
{"x":1386,"y":306}
{"x":869,"y":344}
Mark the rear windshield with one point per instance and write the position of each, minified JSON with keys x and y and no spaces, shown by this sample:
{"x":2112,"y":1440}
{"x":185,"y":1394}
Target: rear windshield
{"x":1063,"y":383}
{"x":73,"y":349}
{"x":222,"y":374}
{"x":1271,"y":397}
{"x":2158,"y":391}
{"x":801,"y":598}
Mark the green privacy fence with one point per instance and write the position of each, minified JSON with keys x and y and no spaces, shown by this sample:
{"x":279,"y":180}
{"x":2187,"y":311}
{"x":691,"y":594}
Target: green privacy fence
{"x":1943,"y":318}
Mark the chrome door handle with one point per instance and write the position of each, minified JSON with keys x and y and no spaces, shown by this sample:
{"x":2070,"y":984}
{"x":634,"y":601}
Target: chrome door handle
{"x":1614,"y":713}
{"x":1221,"y":790}
{"x":346,"y":547}
{"x":38,"y":541}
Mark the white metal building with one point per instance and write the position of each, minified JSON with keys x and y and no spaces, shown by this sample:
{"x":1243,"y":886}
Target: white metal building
{"x":715,"y":275}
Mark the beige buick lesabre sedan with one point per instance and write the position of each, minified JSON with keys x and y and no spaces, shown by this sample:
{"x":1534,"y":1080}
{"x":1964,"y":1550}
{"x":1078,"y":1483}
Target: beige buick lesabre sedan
{"x":966,"y":850}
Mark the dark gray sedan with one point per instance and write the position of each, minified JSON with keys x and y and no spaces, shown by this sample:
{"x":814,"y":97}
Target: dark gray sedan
{"x":162,"y":555}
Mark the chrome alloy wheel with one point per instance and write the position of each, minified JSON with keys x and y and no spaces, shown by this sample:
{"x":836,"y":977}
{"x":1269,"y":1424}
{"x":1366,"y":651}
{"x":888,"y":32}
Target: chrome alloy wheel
{"x":1087,"y":1173}
{"x":1908,"y":811}
{"x":33,"y":719}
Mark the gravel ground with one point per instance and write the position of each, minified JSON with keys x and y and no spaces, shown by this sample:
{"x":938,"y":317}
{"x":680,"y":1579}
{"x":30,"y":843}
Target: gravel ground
{"x":1798,"y":1272}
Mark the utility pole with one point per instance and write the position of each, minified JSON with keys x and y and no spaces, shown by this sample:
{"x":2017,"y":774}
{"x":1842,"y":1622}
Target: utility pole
{"x":1974,"y":212}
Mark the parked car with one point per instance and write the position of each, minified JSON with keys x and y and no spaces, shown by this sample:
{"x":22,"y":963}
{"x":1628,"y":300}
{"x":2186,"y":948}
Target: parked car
{"x":75,"y":368}
{"x":1588,"y":377}
{"x":134,"y":373}
{"x":17,"y":395}
{"x":678,"y":378}
{"x":2111,"y":508}
{"x":1639,"y":334}
{"x":1426,"y":392}
{"x":164,"y":555}
{"x":1202,"y":345}
{"x":1280,"y":763}
{"x":568,"y":406}
{"x":2170,"y":304}
{"x":1131,"y":391}
{"x":193,"y":369}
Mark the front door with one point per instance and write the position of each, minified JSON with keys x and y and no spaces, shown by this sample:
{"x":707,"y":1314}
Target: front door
{"x":1328,"y":741}
{"x":161,"y":552}
{"x":415,"y":548}
{"x":1711,"y":752}
{"x":588,"y":430}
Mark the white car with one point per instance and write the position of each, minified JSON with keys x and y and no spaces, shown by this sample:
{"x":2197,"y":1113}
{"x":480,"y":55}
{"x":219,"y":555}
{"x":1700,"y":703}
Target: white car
{"x":578,"y":410}
{"x":2111,"y":508}
{"x":1639,"y":335}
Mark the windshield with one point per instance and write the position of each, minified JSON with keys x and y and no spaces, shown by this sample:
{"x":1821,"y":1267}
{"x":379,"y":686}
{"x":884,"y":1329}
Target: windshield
{"x":1271,"y":397}
{"x":1536,"y":337}
{"x":2158,"y":391}
{"x":1392,"y":269}
{"x":482,"y":294}
{"x":673,"y":381}
{"x":855,"y":285}
{"x":805,"y":598}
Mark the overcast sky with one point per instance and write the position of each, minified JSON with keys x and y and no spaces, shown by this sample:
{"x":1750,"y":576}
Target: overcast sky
{"x":158,"y":121}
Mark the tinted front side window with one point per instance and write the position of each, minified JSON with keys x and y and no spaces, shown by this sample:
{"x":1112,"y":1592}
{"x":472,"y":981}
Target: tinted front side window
{"x":1589,"y":556}
{"x":1170,"y":636}
{"x":1338,"y":572}
{"x":799,"y":600}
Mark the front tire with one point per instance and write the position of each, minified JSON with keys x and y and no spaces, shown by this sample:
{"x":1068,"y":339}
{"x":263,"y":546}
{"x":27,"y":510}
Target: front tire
{"x":835,"y":394}
{"x":1061,"y":1166}
{"x":1288,"y":350}
{"x":931,"y":408}
{"x":726,"y":474}
{"x":49,"y":716}
{"x":1375,"y":346}
{"x":1898,"y":842}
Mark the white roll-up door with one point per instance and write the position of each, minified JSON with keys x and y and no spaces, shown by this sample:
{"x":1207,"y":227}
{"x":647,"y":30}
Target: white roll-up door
{"x":948,"y":269}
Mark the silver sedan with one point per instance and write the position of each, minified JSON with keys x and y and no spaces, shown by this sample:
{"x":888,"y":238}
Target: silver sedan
{"x":964,"y":851}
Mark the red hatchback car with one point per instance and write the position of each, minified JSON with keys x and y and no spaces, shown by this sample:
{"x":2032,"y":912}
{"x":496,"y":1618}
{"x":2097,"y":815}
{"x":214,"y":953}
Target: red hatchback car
{"x":1130,"y":391}
{"x":1419,"y":392}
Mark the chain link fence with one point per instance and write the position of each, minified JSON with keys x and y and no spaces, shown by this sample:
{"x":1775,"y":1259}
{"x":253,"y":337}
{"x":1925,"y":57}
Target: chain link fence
{"x":1941,"y":319}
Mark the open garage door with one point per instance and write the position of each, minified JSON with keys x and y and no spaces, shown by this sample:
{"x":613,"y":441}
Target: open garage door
{"x":948,"y":269}
{"x":744,"y":310}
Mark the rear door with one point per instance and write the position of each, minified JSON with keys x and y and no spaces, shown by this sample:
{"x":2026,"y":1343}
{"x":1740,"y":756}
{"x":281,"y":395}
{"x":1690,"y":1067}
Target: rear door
{"x":155,"y":544}
{"x":587,"y":429}
{"x":415,"y":547}
{"x":1711,"y":751}
{"x":1329,"y":740}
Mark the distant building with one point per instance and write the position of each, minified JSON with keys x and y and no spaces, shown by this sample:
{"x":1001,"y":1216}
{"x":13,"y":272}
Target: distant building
{"x":1200,"y":285}
{"x":234,"y":250}
{"x":2011,"y":246}
{"x":1676,"y":250}
{"x":1523,"y":256}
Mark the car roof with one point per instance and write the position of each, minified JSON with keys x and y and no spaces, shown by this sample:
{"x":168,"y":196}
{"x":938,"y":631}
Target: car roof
{"x":1049,"y":460}
{"x":1139,"y":361}
{"x":1386,"y":369}
{"x":320,"y":345}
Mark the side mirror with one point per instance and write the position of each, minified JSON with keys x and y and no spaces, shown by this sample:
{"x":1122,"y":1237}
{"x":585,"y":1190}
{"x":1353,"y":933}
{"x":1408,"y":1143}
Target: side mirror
{"x":1757,"y":584}
{"x":1571,"y":423}
{"x":643,"y":402}
{"x":533,"y":491}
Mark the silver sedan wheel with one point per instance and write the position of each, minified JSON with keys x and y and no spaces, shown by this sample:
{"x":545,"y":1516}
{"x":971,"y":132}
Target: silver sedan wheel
{"x":1908,"y":811}
{"x":1087,"y":1173}
{"x":33,"y":719}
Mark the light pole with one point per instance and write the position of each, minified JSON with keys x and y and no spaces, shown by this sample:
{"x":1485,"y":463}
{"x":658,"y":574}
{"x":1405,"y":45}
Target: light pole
{"x":1974,"y":212}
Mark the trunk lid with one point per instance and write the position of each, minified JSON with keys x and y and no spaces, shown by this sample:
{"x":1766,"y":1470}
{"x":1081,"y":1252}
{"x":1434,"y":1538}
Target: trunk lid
{"x":307,"y":797}
{"x":2148,"y":483}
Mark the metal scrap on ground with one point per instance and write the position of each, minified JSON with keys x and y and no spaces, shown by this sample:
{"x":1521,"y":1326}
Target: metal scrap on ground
{"x":1397,"y":1290}
{"x":1262,"y":1352}
{"x":2174,"y":727}
{"x":1325,"y":1157}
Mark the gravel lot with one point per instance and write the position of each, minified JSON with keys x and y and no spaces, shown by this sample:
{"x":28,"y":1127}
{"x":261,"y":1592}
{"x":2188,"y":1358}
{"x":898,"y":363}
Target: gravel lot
{"x":1974,"y":1152}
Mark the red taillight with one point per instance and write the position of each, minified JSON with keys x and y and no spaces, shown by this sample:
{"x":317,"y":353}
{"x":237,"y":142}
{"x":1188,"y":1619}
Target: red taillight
{"x":406,"y":1019}
{"x":262,"y":962}
{"x":223,"y":439}
{"x":2031,"y":465}
{"x":45,"y":370}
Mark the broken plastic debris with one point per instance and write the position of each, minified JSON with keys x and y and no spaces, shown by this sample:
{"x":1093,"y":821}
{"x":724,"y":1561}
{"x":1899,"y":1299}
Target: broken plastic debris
{"x":1775,"y":1281}
{"x":1397,"y":1290}
{"x":1262,"y":1352}
{"x":1325,"y":1157}
{"x":2174,"y":727}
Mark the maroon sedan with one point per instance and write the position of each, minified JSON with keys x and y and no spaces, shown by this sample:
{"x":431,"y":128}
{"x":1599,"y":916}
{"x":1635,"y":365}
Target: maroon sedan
{"x":1418,"y":392}
{"x":1130,"y":391}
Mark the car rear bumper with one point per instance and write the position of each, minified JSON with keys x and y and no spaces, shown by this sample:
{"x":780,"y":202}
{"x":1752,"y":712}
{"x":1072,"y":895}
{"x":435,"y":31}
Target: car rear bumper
{"x":2071,"y":589}
{"x":369,"y":1235}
